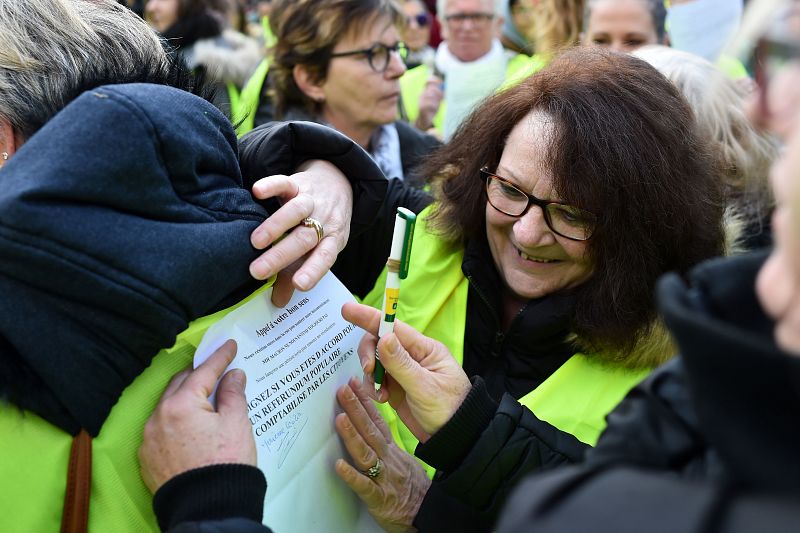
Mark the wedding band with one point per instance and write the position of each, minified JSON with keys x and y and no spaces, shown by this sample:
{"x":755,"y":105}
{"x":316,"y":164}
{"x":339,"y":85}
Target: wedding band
{"x":374,"y":471}
{"x":309,"y":222}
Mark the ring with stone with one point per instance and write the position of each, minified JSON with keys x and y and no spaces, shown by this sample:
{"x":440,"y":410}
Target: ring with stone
{"x":309,"y":222}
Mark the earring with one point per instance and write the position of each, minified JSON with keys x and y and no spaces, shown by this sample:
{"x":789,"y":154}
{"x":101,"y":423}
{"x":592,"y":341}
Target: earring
{"x":5,"y":157}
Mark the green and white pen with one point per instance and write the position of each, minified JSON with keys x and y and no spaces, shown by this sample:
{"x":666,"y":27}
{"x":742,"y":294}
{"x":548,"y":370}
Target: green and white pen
{"x":396,"y":269}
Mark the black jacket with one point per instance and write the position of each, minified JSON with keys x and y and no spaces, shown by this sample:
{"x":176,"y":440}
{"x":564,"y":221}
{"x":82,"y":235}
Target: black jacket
{"x":485,"y":450}
{"x":414,"y":144}
{"x":375,"y":199}
{"x":707,"y":443}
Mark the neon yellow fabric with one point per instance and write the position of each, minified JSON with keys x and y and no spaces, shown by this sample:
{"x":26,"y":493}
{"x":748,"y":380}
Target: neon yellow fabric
{"x":412,"y":83}
{"x":33,"y":463}
{"x":245,"y":111}
{"x":433,"y":299}
{"x":732,"y":67}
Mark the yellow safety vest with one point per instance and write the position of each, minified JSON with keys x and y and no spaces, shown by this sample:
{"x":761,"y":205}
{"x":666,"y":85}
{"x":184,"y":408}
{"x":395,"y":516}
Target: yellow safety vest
{"x":33,"y":462}
{"x":576,"y":398}
{"x":412,"y":83}
{"x":244,"y":113}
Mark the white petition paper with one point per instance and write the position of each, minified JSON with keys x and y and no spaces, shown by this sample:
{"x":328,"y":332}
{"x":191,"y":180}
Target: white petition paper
{"x":295,"y":358}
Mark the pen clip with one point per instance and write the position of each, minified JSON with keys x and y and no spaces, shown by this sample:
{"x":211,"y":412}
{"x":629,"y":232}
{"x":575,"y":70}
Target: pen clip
{"x":408,"y":237}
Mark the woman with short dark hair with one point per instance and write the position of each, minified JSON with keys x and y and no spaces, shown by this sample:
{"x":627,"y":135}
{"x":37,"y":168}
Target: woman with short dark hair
{"x":339,"y":63}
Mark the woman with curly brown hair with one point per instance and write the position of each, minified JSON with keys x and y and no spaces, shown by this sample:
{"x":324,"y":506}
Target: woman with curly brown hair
{"x":559,"y":204}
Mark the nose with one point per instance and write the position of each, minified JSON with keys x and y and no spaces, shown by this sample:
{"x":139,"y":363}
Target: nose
{"x":531,"y":229}
{"x":396,"y":66}
{"x":619,"y":47}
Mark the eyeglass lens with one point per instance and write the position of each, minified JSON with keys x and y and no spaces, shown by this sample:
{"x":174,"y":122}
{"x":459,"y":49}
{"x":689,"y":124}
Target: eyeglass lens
{"x":380,"y":55}
{"x":565,"y":220}
{"x":474,"y":18}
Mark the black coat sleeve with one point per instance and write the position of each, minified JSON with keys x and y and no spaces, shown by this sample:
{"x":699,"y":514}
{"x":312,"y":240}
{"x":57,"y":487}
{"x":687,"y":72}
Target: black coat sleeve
{"x":279,"y":147}
{"x":650,"y":471}
{"x":217,"y":498}
{"x":620,"y":499}
{"x":481,"y":454}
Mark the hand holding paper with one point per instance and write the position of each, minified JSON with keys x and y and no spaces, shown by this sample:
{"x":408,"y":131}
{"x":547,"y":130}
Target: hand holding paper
{"x":186,"y":431}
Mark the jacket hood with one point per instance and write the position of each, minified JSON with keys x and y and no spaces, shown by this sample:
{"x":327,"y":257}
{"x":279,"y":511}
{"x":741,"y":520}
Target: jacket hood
{"x":743,"y":387}
{"x":231,"y":57}
{"x":121,"y":220}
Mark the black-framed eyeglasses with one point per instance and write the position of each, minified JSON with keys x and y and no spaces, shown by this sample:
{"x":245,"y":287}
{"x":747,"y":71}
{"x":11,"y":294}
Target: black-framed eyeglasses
{"x":568,"y":221}
{"x":421,"y":19}
{"x":378,"y":55}
{"x":476,"y":18}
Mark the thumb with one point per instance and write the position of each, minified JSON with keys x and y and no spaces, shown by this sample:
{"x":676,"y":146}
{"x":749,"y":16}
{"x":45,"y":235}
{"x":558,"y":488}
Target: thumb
{"x":402,"y":366}
{"x":230,"y":393}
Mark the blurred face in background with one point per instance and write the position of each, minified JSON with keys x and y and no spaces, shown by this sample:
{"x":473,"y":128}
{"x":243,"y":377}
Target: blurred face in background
{"x":161,"y":14}
{"x":775,"y":106}
{"x":621,"y":25}
{"x":469,"y":26}
{"x":417,"y":32}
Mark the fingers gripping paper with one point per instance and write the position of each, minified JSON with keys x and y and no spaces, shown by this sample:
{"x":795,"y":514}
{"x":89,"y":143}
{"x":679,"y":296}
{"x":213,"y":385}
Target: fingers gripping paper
{"x":295,"y":358}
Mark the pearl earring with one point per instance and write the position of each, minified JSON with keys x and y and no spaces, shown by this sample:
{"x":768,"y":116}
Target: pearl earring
{"x":5,"y":155}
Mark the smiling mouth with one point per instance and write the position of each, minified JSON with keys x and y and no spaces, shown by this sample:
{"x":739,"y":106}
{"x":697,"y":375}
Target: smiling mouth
{"x":535,"y":259}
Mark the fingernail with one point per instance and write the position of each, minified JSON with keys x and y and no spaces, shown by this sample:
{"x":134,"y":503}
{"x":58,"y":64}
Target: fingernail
{"x":238,"y":377}
{"x":255,"y":271}
{"x":302,"y":281}
{"x":392,"y":346}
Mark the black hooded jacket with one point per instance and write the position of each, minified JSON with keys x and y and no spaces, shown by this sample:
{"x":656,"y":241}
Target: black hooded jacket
{"x":708,"y":443}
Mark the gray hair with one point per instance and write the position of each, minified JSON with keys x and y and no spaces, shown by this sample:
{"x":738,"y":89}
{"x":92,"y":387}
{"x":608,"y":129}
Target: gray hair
{"x":743,"y":155}
{"x":498,"y":6}
{"x":53,"y":50}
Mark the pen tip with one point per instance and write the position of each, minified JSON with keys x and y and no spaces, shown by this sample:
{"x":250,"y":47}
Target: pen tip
{"x":377,"y":387}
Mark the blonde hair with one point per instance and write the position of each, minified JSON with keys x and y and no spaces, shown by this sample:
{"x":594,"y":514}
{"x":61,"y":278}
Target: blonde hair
{"x":742,"y":155}
{"x":557,"y":27}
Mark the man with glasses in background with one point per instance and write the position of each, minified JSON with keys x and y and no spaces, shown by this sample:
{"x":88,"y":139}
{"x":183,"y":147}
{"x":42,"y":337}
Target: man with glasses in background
{"x":471,"y":49}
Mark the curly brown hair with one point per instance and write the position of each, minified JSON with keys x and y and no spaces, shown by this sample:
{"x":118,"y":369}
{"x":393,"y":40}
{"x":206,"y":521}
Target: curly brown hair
{"x":625,"y":146}
{"x":306,"y":32}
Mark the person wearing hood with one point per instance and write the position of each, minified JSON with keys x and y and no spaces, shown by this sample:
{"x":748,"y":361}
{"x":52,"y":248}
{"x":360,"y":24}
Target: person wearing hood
{"x":123,"y":222}
{"x":220,"y":56}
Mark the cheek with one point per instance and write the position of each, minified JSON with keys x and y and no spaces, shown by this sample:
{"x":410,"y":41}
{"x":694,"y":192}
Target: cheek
{"x":775,"y":286}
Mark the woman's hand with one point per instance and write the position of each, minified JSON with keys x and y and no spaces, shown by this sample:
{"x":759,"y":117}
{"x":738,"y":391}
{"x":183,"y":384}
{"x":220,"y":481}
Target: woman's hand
{"x":186,"y":431}
{"x":393,"y":495}
{"x":320,"y":191}
{"x":423,"y":382}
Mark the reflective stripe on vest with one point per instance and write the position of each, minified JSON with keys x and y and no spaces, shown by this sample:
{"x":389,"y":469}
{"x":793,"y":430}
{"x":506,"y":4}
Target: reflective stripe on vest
{"x":433,"y":299}
{"x":33,"y":463}
{"x":412,"y":83}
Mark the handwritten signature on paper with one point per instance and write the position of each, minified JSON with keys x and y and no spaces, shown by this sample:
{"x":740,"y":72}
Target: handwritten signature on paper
{"x":283,"y":439}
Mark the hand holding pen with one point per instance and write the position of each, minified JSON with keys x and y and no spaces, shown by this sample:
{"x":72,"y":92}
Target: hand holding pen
{"x":397,"y":269}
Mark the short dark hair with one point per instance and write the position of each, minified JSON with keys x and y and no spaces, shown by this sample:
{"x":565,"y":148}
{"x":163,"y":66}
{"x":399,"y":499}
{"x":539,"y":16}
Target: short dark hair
{"x":306,"y":33}
{"x":624,"y":146}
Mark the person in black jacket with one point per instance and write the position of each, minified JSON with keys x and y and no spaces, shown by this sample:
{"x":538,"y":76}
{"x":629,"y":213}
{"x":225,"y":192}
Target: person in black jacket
{"x":123,"y":218}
